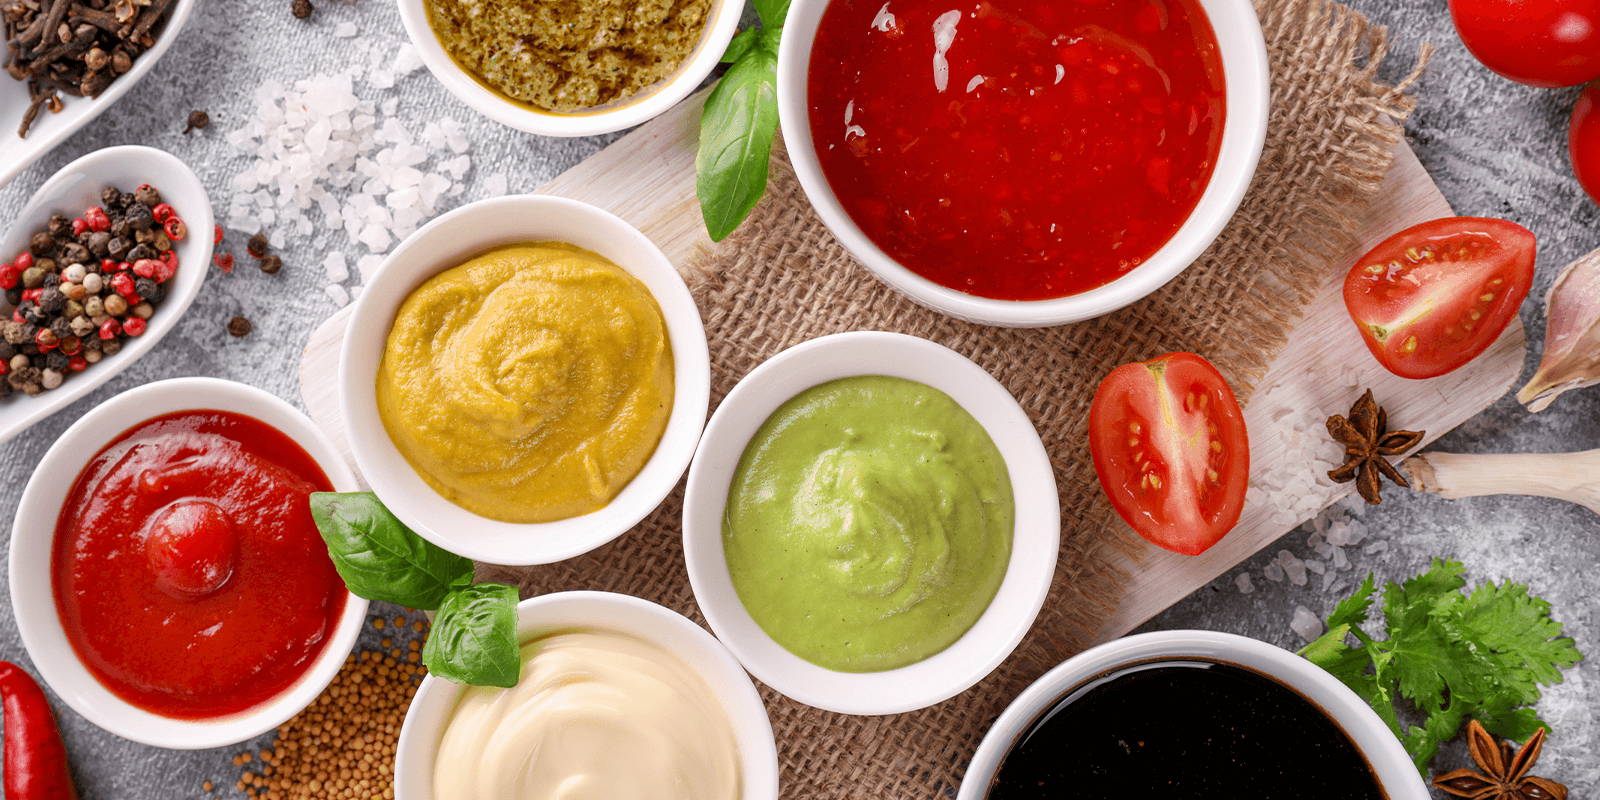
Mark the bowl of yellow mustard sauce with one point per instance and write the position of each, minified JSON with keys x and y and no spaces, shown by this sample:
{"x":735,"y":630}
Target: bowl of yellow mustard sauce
{"x":524,"y":379}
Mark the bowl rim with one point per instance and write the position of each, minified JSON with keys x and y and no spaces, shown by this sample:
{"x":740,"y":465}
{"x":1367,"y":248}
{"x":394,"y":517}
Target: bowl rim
{"x":425,"y":510}
{"x":1390,"y":765}
{"x":722,"y":22}
{"x":32,"y":589}
{"x":194,"y":253}
{"x":1036,"y":533}
{"x":1244,"y":58}
{"x":752,"y":727}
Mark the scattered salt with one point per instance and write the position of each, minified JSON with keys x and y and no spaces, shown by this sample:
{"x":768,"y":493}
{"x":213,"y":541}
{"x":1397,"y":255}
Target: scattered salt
{"x":495,"y":185}
{"x":345,"y":30}
{"x":338,"y":294}
{"x":334,"y":266}
{"x":1273,"y":572}
{"x":1305,"y":623}
{"x":1243,"y":583}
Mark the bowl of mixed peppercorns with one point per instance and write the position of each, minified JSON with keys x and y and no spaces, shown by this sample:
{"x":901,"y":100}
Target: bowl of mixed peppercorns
{"x":97,"y":268}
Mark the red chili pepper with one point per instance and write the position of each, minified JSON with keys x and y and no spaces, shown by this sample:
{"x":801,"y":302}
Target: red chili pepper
{"x":224,"y":261}
{"x":24,"y":262}
{"x":133,"y":326}
{"x":176,"y":230}
{"x":79,"y":225}
{"x":9,"y":276}
{"x":36,"y":758}
{"x":162,"y":212}
{"x":97,"y":219}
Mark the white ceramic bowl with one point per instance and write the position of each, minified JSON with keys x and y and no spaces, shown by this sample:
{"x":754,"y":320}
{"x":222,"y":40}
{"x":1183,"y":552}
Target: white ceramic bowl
{"x":1371,"y":736}
{"x":1244,"y":62}
{"x":1035,"y":541}
{"x":33,"y":598}
{"x":76,"y":187}
{"x":436,"y":699}
{"x":450,"y":240}
{"x":721,"y":23}
{"x":50,"y":129}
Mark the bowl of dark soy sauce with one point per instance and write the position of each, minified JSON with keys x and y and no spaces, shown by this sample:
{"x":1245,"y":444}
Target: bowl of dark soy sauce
{"x":1185,"y":715}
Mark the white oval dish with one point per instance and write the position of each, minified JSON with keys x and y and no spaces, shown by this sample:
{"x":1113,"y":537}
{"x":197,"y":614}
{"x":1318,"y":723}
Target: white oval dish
{"x":721,"y":24}
{"x":76,"y":187}
{"x":1371,"y":736}
{"x":32,"y":593}
{"x":1244,"y":60}
{"x":436,"y":699}
{"x":49,"y":129}
{"x":1036,"y":536}
{"x":450,"y":240}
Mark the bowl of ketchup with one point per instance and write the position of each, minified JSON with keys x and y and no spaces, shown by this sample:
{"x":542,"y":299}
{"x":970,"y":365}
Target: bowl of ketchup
{"x":167,"y":577}
{"x":1024,"y":162}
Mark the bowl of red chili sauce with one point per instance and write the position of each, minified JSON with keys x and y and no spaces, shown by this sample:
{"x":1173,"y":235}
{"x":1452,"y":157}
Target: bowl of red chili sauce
{"x":168,"y":580}
{"x":1024,"y":162}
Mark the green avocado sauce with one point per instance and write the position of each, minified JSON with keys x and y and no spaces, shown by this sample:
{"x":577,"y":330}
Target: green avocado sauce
{"x":869,"y":523}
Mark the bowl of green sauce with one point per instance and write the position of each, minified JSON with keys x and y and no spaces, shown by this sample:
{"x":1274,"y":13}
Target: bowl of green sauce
{"x":871,"y":523}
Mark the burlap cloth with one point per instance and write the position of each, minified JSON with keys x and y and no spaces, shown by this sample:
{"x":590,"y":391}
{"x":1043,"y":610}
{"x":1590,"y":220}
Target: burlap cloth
{"x":782,"y":279}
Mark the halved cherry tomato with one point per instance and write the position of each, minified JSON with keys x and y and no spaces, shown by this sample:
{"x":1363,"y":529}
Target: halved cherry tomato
{"x":1170,"y":448}
{"x":1544,"y":43}
{"x":1584,"y":140}
{"x":1432,"y":297}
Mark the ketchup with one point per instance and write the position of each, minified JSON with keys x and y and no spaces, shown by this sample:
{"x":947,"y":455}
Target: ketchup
{"x":188,"y":573}
{"x":1017,"y":149}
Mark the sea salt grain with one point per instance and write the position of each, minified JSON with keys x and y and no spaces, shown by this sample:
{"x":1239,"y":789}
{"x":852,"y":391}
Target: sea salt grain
{"x":334,"y":266}
{"x":345,"y":30}
{"x":1273,"y":571}
{"x":1305,"y":623}
{"x":495,"y":185}
{"x":338,"y":294}
{"x":1243,"y":583}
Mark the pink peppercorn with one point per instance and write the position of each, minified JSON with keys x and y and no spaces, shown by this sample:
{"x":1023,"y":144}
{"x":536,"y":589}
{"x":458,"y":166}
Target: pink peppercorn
{"x":107,"y":265}
{"x":79,"y":225}
{"x":217,"y":238}
{"x":30,"y":295}
{"x":9,"y":276}
{"x":110,"y":328}
{"x":122,"y":284}
{"x":147,"y":267}
{"x":176,"y":230}
{"x":162,"y":212}
{"x":97,"y":219}
{"x":224,"y":261}
{"x":133,"y":326}
{"x":78,"y":364}
{"x":24,"y":262}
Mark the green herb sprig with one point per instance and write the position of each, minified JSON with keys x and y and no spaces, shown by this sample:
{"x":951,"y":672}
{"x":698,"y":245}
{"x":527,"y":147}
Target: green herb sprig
{"x":1450,"y":656}
{"x":474,"y":635}
{"x":738,"y":125}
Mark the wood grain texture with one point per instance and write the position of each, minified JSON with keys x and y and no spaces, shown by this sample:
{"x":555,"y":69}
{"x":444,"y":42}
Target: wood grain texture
{"x":647,"y":178}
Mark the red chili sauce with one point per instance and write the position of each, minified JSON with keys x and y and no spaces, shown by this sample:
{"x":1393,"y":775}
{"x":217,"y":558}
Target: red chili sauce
{"x":188,"y":573}
{"x":1017,"y":149}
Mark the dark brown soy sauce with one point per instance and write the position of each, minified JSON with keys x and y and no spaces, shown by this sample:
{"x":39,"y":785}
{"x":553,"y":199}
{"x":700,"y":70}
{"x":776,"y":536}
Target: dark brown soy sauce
{"x":1183,"y":729}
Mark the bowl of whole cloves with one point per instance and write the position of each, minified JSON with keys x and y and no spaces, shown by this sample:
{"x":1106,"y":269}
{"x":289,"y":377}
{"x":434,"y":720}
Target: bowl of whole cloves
{"x":65,"y":61}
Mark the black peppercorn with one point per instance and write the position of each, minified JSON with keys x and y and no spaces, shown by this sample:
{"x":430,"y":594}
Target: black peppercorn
{"x":50,"y":280}
{"x":61,"y":328}
{"x":55,"y":360}
{"x":149,"y":289}
{"x":147,"y":196}
{"x":118,"y":247}
{"x":33,"y":315}
{"x":239,"y":326}
{"x":271,"y":265}
{"x":301,"y":8}
{"x":60,"y":227}
{"x":111,"y":198}
{"x":14,"y":296}
{"x":139,"y":252}
{"x":257,"y":246}
{"x":7,"y":350}
{"x":42,"y":243}
{"x":122,"y":228}
{"x":74,"y":253}
{"x":52,"y":300}
{"x":99,"y":242}
{"x":197,"y":119}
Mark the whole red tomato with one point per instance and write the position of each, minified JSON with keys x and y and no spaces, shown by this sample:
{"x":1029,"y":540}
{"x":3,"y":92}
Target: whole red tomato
{"x":1538,"y":42}
{"x":1584,"y":140}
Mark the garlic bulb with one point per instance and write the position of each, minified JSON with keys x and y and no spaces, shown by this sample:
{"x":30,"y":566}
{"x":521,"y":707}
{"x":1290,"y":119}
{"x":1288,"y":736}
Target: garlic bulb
{"x":1572,"y":335}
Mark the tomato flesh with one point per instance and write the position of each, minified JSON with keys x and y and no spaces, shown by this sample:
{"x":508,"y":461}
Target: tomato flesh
{"x":1545,"y":43}
{"x":1170,"y":447}
{"x":1584,"y":140}
{"x":1434,"y":296}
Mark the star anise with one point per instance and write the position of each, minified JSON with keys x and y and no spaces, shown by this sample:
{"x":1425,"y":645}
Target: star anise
{"x":1366,"y":442}
{"x":1501,"y":774}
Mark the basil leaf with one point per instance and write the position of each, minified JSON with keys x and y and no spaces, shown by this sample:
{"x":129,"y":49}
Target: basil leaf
{"x":379,"y":558}
{"x":772,"y":12}
{"x":736,"y":130}
{"x":474,"y":637}
{"x":741,"y":44}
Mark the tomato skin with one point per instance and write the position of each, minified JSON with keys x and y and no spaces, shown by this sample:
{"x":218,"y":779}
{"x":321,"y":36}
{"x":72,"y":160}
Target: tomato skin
{"x":1434,"y":296}
{"x":1545,"y":43}
{"x":1584,"y":140}
{"x":1170,"y":448}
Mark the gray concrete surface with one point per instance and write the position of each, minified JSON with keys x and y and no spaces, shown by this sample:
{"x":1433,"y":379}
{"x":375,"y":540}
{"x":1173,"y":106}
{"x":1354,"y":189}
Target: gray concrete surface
{"x":1495,"y":147}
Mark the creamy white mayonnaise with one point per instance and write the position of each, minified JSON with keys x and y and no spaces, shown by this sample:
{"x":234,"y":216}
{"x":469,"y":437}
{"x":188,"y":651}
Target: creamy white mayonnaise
{"x":597,"y":715}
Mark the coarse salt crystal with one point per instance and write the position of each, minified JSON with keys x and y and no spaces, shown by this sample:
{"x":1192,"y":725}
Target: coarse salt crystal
{"x":1273,"y":571}
{"x":1316,"y":566}
{"x":1243,"y":583}
{"x":337,"y":294}
{"x":336,"y":268}
{"x":495,"y":185}
{"x":1305,"y":623}
{"x":367,"y":265}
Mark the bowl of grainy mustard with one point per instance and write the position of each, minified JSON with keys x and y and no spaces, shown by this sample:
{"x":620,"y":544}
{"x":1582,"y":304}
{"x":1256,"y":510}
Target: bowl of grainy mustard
{"x":571,"y":67}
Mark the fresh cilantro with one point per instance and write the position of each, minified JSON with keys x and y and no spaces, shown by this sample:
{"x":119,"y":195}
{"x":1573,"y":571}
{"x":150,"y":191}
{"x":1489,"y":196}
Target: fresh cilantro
{"x":1451,"y":656}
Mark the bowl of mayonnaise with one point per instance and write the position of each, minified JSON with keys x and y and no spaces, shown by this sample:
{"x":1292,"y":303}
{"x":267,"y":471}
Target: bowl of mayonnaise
{"x":619,"y":697}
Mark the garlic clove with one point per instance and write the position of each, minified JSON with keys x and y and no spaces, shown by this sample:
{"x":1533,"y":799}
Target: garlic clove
{"x":1572,"y":335}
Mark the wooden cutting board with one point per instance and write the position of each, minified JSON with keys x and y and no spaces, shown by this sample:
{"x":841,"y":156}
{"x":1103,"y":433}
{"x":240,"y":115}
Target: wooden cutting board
{"x":647,"y":178}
